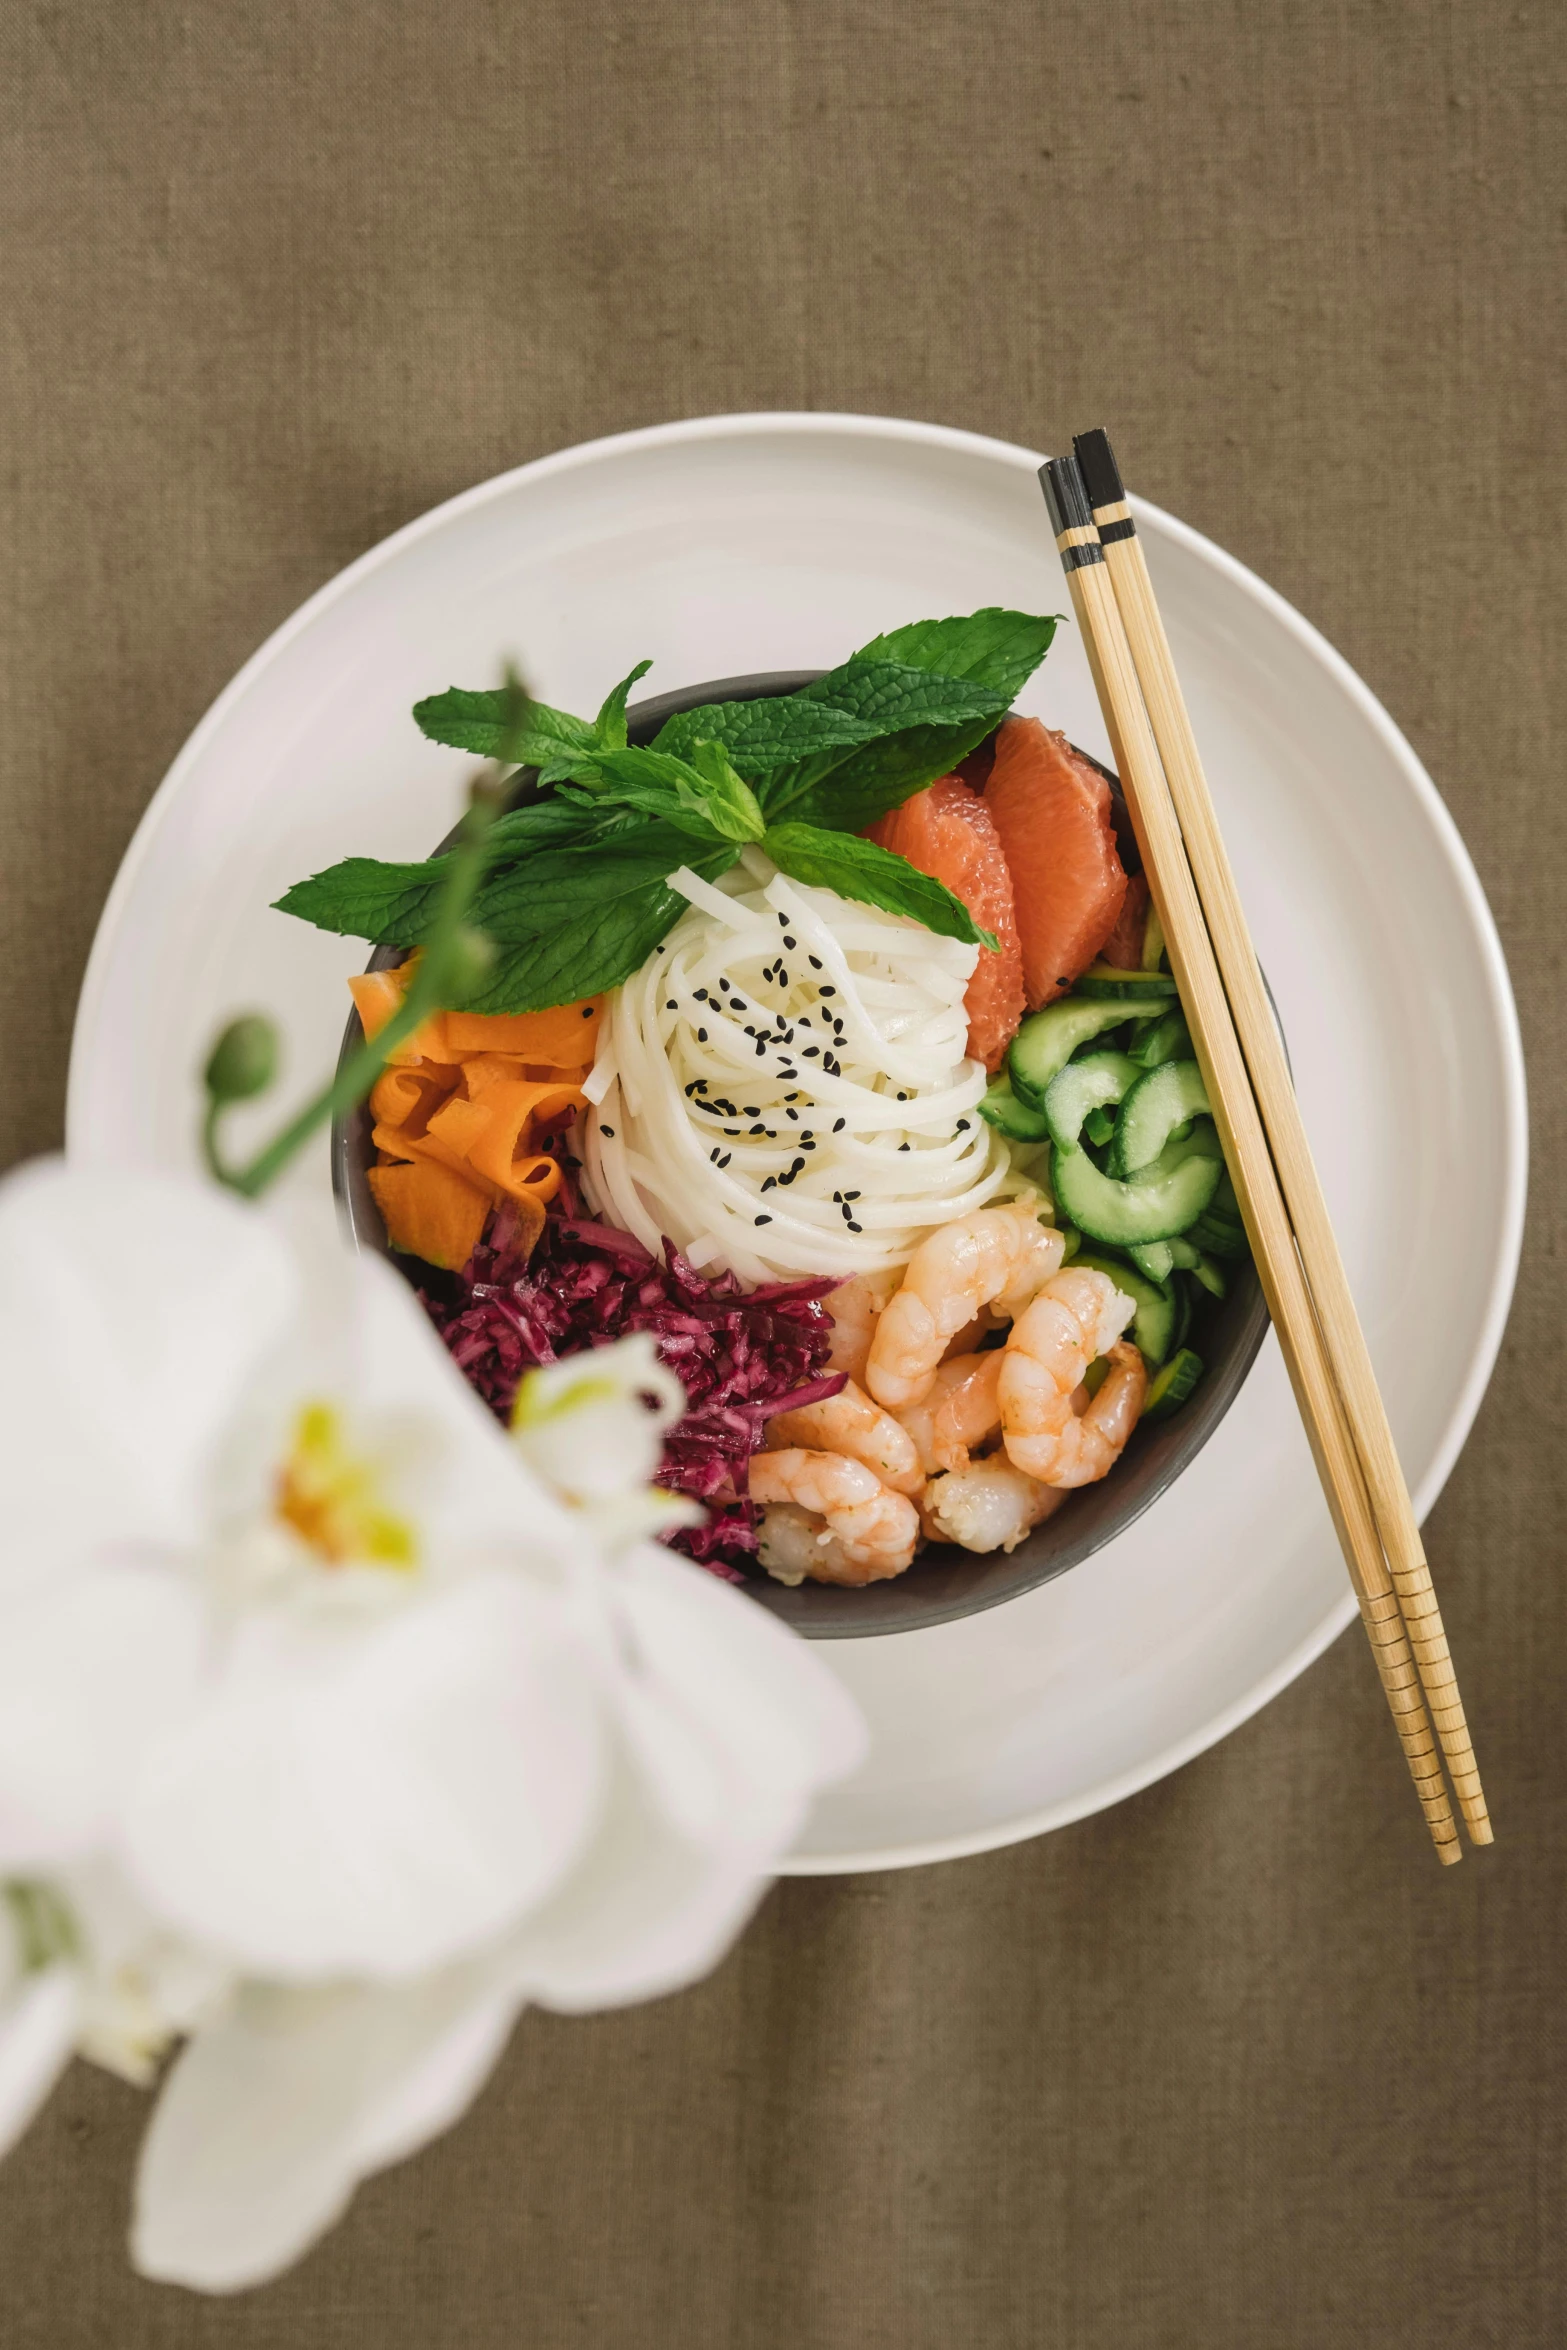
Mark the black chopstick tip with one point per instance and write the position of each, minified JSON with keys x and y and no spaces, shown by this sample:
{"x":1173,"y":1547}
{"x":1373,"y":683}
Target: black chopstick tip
{"x":1101,"y":474}
{"x":1065,"y":495}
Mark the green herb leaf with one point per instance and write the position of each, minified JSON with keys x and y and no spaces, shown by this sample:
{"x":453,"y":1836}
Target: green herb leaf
{"x":609,"y":727}
{"x":702,"y":795}
{"x":363,"y":898}
{"x":599,"y":949}
{"x":995,"y":647}
{"x":764,"y":734}
{"x":482,"y":723}
{"x":859,"y":869}
{"x":559,"y":888}
{"x":892,"y":696}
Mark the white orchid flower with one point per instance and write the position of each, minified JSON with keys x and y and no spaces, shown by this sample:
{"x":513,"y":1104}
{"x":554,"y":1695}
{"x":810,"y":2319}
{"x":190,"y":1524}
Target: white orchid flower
{"x":329,"y":1734}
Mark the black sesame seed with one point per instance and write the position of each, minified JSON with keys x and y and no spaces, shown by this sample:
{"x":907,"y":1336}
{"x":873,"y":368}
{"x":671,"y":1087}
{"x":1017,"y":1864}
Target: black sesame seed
{"x":794,"y":1168}
{"x":839,"y":1124}
{"x":903,"y":1146}
{"x":853,"y":1227}
{"x":758,"y":1130}
{"x":903,"y":1097}
{"x":791,"y":1112}
{"x":671,"y":1006}
{"x":768,"y":1181}
{"x":815,"y":962}
{"x":609,"y":1130}
{"x":790,"y":942}
{"x":587,"y":1011}
{"x":764,"y":1219}
{"x":826,"y":991}
{"x":724,"y":1161}
{"x":713,"y":1154}
{"x":739,"y":1005}
{"x":724,"y":984}
{"x":963,"y":1126}
{"x":811,"y":1052}
{"x":851,"y":1195}
{"x":701,"y":1036}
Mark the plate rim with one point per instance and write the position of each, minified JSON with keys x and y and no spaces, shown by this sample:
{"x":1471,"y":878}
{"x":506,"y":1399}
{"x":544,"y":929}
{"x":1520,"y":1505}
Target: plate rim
{"x":759,"y":423}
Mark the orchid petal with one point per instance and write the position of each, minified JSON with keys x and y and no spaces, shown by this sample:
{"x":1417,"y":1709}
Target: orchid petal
{"x":646,"y":1912}
{"x":269,"y":2119}
{"x":380,"y":1799}
{"x":37,"y":2026}
{"x":710,"y":1655}
{"x":90,"y":1673}
{"x":132,"y":1309}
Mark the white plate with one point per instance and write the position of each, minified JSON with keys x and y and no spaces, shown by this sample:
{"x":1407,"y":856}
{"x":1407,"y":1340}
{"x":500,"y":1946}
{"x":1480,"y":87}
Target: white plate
{"x":776,"y":542}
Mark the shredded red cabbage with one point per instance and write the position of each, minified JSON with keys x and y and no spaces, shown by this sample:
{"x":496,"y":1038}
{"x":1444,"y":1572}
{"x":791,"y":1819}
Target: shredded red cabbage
{"x":741,"y":1355}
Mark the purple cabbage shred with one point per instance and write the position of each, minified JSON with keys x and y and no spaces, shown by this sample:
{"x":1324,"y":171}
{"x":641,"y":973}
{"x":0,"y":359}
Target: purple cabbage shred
{"x":741,"y":1355}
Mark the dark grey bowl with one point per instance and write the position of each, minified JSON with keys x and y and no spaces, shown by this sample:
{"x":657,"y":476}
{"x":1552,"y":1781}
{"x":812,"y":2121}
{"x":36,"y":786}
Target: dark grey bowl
{"x":943,"y":1583}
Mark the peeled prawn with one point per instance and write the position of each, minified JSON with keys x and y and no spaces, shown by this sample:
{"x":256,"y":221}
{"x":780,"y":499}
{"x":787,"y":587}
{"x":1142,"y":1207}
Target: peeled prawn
{"x":962,"y":1409}
{"x":989,"y":1505}
{"x":1077,"y":1316}
{"x":856,"y":1306}
{"x":997,"y":1257}
{"x":874,"y":1529}
{"x":849,"y":1423}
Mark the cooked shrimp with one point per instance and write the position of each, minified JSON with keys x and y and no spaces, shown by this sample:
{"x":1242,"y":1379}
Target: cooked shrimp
{"x":1078,"y":1316}
{"x":989,"y":1505}
{"x":998,"y":1256}
{"x":874,"y":1528}
{"x":851,"y":1424}
{"x":793,"y":1544}
{"x":855,"y":1306}
{"x":961,"y":1410}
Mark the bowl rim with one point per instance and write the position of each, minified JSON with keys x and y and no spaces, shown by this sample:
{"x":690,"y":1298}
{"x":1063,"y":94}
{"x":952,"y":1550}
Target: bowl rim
{"x":950,"y":1583}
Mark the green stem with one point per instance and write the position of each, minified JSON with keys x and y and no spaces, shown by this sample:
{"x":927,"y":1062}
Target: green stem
{"x":430,"y":984}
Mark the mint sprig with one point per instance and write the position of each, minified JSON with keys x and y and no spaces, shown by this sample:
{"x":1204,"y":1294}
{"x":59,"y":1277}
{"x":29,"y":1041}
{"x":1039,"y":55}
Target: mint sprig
{"x":573,"y":894}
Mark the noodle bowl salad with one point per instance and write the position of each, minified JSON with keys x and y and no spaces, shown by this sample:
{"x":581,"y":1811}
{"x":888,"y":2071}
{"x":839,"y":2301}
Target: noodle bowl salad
{"x":828,"y":1039}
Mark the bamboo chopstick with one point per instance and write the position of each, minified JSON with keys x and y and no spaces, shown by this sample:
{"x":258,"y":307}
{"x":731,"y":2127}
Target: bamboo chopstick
{"x":1319,"y":1251}
{"x":1240,"y":1129}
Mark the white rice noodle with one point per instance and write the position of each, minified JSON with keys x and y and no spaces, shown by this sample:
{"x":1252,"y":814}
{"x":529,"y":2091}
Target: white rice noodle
{"x":781,"y":1032}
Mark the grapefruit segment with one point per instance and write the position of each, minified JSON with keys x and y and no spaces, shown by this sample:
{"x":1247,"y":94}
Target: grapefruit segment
{"x":1124,"y":946}
{"x":1052,"y":812}
{"x":946,"y":831}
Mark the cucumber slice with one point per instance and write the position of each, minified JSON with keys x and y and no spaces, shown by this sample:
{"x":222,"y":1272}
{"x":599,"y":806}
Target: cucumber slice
{"x":1104,"y":980}
{"x":1171,"y":1384}
{"x":1161,"y":1199}
{"x":1048,"y":1039}
{"x":1187,"y":1259}
{"x":1167,"y":1039}
{"x":1099,"y":1127}
{"x":1161,"y":1100}
{"x":1218,"y":1236}
{"x":1158,"y":1308}
{"x":1154,"y":1257}
{"x":1084,"y":1085}
{"x":1002,"y":1109}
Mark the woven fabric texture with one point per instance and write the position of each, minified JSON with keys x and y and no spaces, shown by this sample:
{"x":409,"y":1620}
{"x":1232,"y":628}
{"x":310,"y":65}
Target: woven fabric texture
{"x":1236,"y":2064}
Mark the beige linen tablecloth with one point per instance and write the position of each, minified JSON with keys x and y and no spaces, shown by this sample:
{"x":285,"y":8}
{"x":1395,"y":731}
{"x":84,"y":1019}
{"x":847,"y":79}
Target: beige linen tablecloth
{"x":1235,"y":2065}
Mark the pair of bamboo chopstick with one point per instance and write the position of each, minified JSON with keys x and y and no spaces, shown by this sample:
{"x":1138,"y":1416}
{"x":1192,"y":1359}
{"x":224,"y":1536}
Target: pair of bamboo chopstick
{"x":1253,"y":1101}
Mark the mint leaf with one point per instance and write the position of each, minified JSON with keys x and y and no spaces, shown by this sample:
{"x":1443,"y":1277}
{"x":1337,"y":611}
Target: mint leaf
{"x":702,"y":795}
{"x":609,"y":727}
{"x":559,"y":887}
{"x":926,"y":723}
{"x":362,"y":898}
{"x":994,"y":647}
{"x":891,"y":696}
{"x":602,"y":947}
{"x":763,"y":734}
{"x":481,"y":723}
{"x":859,"y":869}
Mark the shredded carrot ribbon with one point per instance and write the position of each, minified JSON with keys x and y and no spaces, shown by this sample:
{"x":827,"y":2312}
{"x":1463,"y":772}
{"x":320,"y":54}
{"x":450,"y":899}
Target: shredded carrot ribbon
{"x":467,"y":1115}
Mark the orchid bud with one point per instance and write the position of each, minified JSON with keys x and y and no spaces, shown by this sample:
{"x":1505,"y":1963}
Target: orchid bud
{"x":244,"y":1060}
